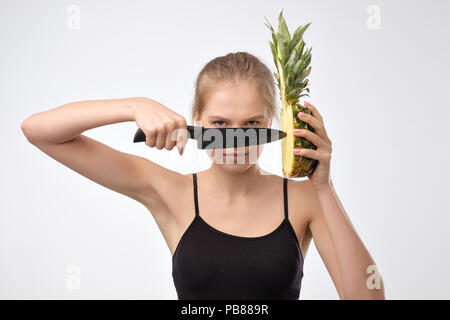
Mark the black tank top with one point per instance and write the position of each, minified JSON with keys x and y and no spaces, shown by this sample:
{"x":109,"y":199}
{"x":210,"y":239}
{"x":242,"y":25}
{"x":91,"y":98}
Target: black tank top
{"x":210,"y":264}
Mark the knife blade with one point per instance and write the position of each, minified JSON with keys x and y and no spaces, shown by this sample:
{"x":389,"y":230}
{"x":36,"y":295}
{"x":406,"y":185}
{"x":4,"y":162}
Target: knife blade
{"x":219,"y":138}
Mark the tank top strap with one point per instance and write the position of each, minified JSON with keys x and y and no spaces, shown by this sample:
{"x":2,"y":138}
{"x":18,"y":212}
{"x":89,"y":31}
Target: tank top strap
{"x":285,"y":196}
{"x":194,"y":177}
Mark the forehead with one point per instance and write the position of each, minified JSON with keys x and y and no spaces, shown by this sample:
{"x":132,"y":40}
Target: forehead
{"x":234,"y":99}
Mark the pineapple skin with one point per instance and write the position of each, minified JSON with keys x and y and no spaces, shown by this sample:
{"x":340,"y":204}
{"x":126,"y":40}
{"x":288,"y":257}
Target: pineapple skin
{"x":300,"y":166}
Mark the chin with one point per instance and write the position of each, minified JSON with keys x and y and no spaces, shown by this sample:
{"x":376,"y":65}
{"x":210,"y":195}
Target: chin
{"x":241,"y":163}
{"x":235,"y":168}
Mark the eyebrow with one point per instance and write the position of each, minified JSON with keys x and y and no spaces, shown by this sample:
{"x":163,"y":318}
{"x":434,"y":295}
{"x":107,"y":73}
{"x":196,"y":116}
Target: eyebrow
{"x":257,"y":116}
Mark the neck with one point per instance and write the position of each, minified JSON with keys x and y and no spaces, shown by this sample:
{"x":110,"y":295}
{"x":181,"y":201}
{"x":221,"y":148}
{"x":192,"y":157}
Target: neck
{"x":233,"y":184}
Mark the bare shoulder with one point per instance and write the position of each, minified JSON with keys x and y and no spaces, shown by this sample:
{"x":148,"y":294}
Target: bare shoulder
{"x":167,"y":201}
{"x":306,"y":197}
{"x":164,"y":192}
{"x":302,"y":202}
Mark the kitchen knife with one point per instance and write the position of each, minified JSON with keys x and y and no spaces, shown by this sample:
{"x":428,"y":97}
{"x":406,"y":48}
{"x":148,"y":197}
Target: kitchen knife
{"x":219,"y":138}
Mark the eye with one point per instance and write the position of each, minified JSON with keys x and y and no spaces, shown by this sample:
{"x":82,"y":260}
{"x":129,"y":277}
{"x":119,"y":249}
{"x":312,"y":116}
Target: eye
{"x":251,"y":122}
{"x":215,"y":122}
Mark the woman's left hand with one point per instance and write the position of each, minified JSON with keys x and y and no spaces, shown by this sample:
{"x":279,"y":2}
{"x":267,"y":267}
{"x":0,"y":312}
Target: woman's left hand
{"x":321,"y":175}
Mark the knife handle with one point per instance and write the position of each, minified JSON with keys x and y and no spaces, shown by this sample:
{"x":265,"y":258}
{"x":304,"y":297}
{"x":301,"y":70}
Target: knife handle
{"x":139,"y":136}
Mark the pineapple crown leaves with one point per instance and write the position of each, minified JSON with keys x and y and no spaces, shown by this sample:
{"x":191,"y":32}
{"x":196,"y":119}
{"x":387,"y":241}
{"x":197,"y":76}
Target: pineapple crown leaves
{"x":291,"y":59}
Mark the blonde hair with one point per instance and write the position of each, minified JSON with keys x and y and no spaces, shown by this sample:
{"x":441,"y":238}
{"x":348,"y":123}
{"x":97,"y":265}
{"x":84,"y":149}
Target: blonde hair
{"x":233,"y":67}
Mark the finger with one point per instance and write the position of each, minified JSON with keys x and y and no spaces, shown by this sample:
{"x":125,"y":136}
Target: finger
{"x":150,"y":137}
{"x":312,"y":120}
{"x":182,"y":132}
{"x":178,"y":137}
{"x":317,"y":114}
{"x":182,"y":136}
{"x":171,"y":137}
{"x":175,"y":137}
{"x":314,"y":110}
{"x":312,"y":137}
{"x":313,"y":154}
{"x":161,"y":138}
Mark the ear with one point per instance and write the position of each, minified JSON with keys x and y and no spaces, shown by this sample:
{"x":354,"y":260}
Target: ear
{"x":196,"y":115}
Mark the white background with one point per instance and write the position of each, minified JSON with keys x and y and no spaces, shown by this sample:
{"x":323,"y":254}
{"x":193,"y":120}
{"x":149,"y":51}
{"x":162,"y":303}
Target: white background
{"x":383,"y":93}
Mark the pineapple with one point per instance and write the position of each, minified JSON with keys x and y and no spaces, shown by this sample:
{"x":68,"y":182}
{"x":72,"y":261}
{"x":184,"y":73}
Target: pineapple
{"x":292,"y":61}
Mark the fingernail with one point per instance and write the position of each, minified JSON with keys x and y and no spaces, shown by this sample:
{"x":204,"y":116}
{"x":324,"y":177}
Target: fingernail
{"x":182,"y":150}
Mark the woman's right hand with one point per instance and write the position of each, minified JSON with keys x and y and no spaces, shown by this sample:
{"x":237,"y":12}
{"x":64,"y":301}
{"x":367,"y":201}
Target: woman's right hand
{"x":163,"y":128}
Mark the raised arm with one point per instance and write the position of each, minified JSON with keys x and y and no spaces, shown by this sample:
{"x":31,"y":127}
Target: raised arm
{"x":58,"y":133}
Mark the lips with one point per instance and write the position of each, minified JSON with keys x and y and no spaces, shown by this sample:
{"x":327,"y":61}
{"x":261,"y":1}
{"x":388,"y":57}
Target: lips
{"x":235,"y":154}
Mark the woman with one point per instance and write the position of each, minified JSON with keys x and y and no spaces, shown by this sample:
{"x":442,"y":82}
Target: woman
{"x":234,"y":230}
